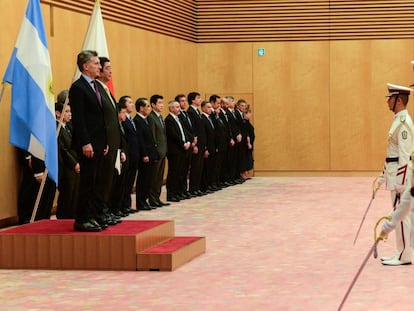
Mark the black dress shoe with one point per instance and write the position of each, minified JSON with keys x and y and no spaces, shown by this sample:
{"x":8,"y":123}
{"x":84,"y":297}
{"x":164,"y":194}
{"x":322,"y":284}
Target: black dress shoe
{"x":95,"y":223}
{"x":86,"y":227}
{"x":144,"y":208}
{"x":161,"y":203}
{"x":199,"y":193}
{"x":190,"y":195}
{"x":183,"y":196}
{"x":101,"y":221}
{"x":154,"y":204}
{"x":173,"y":199}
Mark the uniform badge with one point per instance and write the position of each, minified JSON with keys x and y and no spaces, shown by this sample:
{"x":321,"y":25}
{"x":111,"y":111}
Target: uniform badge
{"x":404,"y":134}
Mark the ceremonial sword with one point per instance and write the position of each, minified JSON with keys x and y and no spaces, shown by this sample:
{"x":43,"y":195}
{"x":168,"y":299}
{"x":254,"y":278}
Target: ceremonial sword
{"x":372,"y":251}
{"x":374,"y":191}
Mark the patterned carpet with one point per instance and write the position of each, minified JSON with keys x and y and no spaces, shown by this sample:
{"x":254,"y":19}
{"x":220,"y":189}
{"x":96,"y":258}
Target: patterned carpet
{"x":272,"y":244}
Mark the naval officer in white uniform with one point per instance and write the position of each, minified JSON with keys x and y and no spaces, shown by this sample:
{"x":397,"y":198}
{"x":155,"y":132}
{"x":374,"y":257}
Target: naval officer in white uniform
{"x":397,"y":173}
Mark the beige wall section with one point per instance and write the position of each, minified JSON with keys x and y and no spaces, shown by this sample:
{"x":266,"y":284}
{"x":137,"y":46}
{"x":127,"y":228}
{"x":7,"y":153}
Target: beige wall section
{"x":225,"y":68}
{"x":291,"y":100}
{"x":360,"y":118}
{"x":291,"y":94}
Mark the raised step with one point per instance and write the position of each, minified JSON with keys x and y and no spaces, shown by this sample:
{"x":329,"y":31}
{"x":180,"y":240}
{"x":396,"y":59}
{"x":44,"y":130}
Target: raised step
{"x":53,"y":244}
{"x":171,"y":254}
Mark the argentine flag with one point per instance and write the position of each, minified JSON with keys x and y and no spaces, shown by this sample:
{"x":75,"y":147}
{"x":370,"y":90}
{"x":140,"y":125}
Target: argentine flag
{"x":32,"y":116}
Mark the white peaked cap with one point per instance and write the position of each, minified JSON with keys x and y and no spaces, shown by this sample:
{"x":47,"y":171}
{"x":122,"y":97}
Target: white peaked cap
{"x":394,"y":89}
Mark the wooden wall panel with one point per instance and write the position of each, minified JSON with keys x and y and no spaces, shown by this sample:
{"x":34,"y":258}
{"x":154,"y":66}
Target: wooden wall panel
{"x":291,"y":95}
{"x":9,"y":177}
{"x":289,"y":20}
{"x":174,"y":18}
{"x":360,"y":117}
{"x":225,"y":68}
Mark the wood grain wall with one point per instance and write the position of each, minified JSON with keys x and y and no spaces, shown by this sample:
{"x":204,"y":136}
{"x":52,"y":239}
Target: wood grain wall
{"x":319,"y":106}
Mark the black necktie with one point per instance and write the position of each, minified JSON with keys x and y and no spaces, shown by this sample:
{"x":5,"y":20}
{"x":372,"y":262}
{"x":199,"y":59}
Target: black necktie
{"x":211,"y":122}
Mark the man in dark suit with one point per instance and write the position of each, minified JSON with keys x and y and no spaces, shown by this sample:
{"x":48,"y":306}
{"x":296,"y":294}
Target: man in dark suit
{"x":197,"y":157}
{"x":207,"y":179}
{"x":113,"y":136}
{"x":221,"y":140}
{"x":186,"y":123}
{"x":242,"y":146}
{"x":225,"y":172}
{"x":178,"y":144}
{"x":149,"y":154}
{"x":121,"y":167}
{"x":156,"y":122}
{"x":132,"y":139}
{"x":89,"y":140}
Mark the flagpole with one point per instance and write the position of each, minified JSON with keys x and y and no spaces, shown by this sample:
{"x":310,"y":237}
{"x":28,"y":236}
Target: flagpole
{"x":2,"y":91}
{"x":39,"y":196}
{"x":44,"y":176}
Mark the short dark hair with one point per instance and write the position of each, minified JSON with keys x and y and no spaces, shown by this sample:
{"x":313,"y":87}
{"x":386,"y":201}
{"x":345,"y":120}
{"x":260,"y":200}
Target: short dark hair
{"x":177,"y":98}
{"x":84,"y":57}
{"x":59,"y":106}
{"x":140,"y":102}
{"x":404,"y":98}
{"x":124,"y":98}
{"x":191,"y":96}
{"x":213,"y":98}
{"x":154,"y":98}
{"x":102,"y":61}
{"x":240,"y":101}
{"x":204,"y":102}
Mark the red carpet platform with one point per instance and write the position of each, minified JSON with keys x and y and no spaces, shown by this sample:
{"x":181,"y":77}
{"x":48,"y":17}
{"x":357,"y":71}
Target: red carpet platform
{"x":130,"y":245}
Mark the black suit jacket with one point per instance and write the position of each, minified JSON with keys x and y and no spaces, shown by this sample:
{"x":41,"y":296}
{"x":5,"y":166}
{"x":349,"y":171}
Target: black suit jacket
{"x":186,"y":123}
{"x":147,"y":142}
{"x":210,"y":135}
{"x":241,"y":123}
{"x":68,"y":157}
{"x":221,"y":131}
{"x":133,"y":143}
{"x":175,"y":141}
{"x":198,"y":129}
{"x":87,"y":117}
{"x":232,"y":124}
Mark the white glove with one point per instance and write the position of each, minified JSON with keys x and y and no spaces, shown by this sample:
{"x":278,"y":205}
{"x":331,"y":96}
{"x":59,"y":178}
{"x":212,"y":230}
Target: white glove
{"x":379,"y":181}
{"x":399,"y":188}
{"x":387,"y":227}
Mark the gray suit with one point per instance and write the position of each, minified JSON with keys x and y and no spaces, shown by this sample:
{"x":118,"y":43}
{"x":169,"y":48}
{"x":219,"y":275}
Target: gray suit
{"x":160,"y":136}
